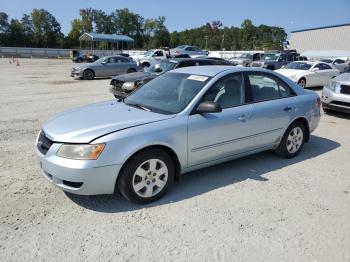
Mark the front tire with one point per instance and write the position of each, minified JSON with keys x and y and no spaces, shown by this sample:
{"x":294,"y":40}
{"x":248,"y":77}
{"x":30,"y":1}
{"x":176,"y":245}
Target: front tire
{"x":146,"y":176}
{"x":88,"y":75}
{"x":292,"y":140}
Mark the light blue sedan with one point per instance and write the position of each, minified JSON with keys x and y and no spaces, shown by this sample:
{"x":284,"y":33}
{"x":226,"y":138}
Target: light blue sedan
{"x":186,"y":119}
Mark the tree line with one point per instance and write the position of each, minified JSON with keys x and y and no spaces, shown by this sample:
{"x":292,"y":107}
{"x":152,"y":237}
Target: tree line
{"x":41,"y":29}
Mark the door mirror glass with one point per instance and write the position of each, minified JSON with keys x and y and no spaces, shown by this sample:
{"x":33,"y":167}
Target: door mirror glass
{"x":315,"y":69}
{"x":208,"y":107}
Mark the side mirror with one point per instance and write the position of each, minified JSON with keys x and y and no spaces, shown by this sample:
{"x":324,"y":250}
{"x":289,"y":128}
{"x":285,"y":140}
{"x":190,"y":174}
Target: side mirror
{"x":315,"y":69}
{"x":208,"y":107}
{"x":103,"y":62}
{"x":283,"y":66}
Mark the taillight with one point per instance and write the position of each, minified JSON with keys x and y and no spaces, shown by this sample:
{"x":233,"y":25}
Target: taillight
{"x":318,"y":103}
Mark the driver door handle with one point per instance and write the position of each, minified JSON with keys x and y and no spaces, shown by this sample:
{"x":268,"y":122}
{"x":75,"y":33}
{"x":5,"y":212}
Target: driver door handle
{"x":242,"y":118}
{"x":287,"y":108}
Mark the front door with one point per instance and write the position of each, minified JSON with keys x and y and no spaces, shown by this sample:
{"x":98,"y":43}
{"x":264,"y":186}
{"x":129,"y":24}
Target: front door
{"x":212,"y":136}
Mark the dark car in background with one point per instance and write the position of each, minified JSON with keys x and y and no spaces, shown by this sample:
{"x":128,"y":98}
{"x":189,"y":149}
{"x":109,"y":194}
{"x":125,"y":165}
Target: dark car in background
{"x":123,"y":85}
{"x":87,"y":58}
{"x":277,"y":60}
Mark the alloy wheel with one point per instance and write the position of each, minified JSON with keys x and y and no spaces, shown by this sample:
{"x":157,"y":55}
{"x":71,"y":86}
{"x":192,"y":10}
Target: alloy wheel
{"x":295,"y":140}
{"x":150,"y":178}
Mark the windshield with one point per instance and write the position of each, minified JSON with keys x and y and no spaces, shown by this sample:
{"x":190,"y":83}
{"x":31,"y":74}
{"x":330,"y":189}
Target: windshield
{"x":169,"y":93}
{"x":99,"y":61}
{"x":272,"y":57}
{"x":299,"y":66}
{"x":148,"y":53}
{"x":327,"y":60}
{"x":245,"y":56}
{"x":160,"y":68}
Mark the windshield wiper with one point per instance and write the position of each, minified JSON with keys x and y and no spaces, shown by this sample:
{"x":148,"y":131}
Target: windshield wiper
{"x":139,"y":106}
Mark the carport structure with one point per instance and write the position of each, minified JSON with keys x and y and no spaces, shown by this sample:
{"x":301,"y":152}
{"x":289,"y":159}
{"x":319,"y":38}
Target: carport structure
{"x":95,"y":41}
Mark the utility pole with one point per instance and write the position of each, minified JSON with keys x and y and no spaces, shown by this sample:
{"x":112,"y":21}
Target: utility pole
{"x":222,"y":41}
{"x":206,"y":42}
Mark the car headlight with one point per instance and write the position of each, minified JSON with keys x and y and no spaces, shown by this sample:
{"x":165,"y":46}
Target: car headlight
{"x":80,"y":152}
{"x":331,"y":85}
{"x":128,"y":86}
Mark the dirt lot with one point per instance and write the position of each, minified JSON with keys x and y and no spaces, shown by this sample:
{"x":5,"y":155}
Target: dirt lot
{"x":260,"y":208}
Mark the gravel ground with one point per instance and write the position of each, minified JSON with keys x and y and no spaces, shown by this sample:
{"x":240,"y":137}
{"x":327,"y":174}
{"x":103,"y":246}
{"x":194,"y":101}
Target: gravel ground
{"x":259,"y":208}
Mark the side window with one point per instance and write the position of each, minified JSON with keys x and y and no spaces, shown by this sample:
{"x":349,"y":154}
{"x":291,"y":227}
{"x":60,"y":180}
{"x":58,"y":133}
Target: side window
{"x":228,"y":91}
{"x":187,"y":63}
{"x":285,"y":90}
{"x":204,"y":62}
{"x":318,"y":66}
{"x":291,"y":57}
{"x":282,"y":57}
{"x":158,"y":53}
{"x":124,"y":60}
{"x":263,"y":87}
{"x":324,"y":66}
{"x":339,"y":61}
{"x":113,"y":60}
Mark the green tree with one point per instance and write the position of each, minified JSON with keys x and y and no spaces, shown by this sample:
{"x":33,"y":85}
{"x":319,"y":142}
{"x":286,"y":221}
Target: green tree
{"x":75,"y":32}
{"x":87,"y":18}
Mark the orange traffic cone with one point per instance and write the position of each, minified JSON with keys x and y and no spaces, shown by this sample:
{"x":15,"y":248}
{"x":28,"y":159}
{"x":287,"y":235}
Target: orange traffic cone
{"x":17,"y":62}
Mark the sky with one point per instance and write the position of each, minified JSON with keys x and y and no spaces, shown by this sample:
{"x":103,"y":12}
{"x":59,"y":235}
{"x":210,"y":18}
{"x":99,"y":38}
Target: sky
{"x":184,"y":14}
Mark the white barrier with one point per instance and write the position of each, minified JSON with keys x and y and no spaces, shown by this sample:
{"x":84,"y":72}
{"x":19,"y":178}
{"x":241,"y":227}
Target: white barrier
{"x":65,"y":53}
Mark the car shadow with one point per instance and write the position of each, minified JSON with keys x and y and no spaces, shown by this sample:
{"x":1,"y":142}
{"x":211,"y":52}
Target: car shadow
{"x":338,"y":114}
{"x":207,"y":179}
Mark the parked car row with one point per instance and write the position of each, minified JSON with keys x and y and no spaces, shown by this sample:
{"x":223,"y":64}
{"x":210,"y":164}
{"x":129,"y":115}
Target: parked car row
{"x":123,"y":85}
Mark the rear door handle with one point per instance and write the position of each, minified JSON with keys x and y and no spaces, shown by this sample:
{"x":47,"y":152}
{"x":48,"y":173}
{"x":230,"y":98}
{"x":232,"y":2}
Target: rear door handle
{"x":287,"y":108}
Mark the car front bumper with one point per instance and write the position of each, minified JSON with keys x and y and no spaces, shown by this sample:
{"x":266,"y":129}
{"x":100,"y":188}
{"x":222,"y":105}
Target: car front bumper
{"x":77,"y":176}
{"x":335,"y":101}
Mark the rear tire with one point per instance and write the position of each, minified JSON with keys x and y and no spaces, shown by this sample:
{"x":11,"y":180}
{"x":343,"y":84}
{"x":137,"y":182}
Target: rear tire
{"x":146,"y":176}
{"x":145,"y":65}
{"x":88,"y":74}
{"x":302,"y":82}
{"x":292,"y":141}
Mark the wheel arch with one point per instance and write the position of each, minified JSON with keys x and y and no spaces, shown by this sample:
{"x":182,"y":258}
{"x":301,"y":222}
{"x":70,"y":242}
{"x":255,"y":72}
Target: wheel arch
{"x":171,"y":152}
{"x":304,"y":121}
{"x":90,"y":69}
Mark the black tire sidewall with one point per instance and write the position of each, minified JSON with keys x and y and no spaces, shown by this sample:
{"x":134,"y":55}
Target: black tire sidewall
{"x":282,"y":148}
{"x":88,"y":71}
{"x":124,"y":182}
{"x":302,"y":79}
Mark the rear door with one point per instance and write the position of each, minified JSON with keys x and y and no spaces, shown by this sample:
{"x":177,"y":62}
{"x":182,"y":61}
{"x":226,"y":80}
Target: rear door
{"x":273,"y":107}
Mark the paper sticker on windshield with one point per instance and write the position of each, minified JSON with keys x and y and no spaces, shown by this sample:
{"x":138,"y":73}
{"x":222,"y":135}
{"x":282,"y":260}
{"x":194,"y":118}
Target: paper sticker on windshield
{"x":197,"y":78}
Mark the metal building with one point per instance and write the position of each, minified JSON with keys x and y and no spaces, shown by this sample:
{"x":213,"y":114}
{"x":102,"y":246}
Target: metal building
{"x":335,"y":38}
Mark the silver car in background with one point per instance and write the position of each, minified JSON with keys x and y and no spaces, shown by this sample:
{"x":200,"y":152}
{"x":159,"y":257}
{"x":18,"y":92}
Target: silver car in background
{"x":183,"y":120}
{"x":336,"y":94}
{"x":192,"y":51}
{"x":105,"y":67}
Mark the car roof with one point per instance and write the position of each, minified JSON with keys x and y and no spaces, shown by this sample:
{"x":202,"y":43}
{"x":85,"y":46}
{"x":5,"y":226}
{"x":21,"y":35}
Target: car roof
{"x":213,"y":70}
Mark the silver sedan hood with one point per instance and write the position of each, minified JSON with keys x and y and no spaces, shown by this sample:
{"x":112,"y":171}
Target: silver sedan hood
{"x":84,"y":124}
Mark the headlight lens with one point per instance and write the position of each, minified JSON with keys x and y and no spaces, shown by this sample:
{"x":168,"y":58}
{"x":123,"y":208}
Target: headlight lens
{"x":129,"y":86}
{"x":331,"y":85}
{"x":81,"y":152}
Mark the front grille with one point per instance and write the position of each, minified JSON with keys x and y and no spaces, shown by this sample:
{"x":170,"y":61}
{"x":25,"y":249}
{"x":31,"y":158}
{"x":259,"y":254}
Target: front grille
{"x":340,"y":103}
{"x":44,"y":143}
{"x":345,"y":89}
